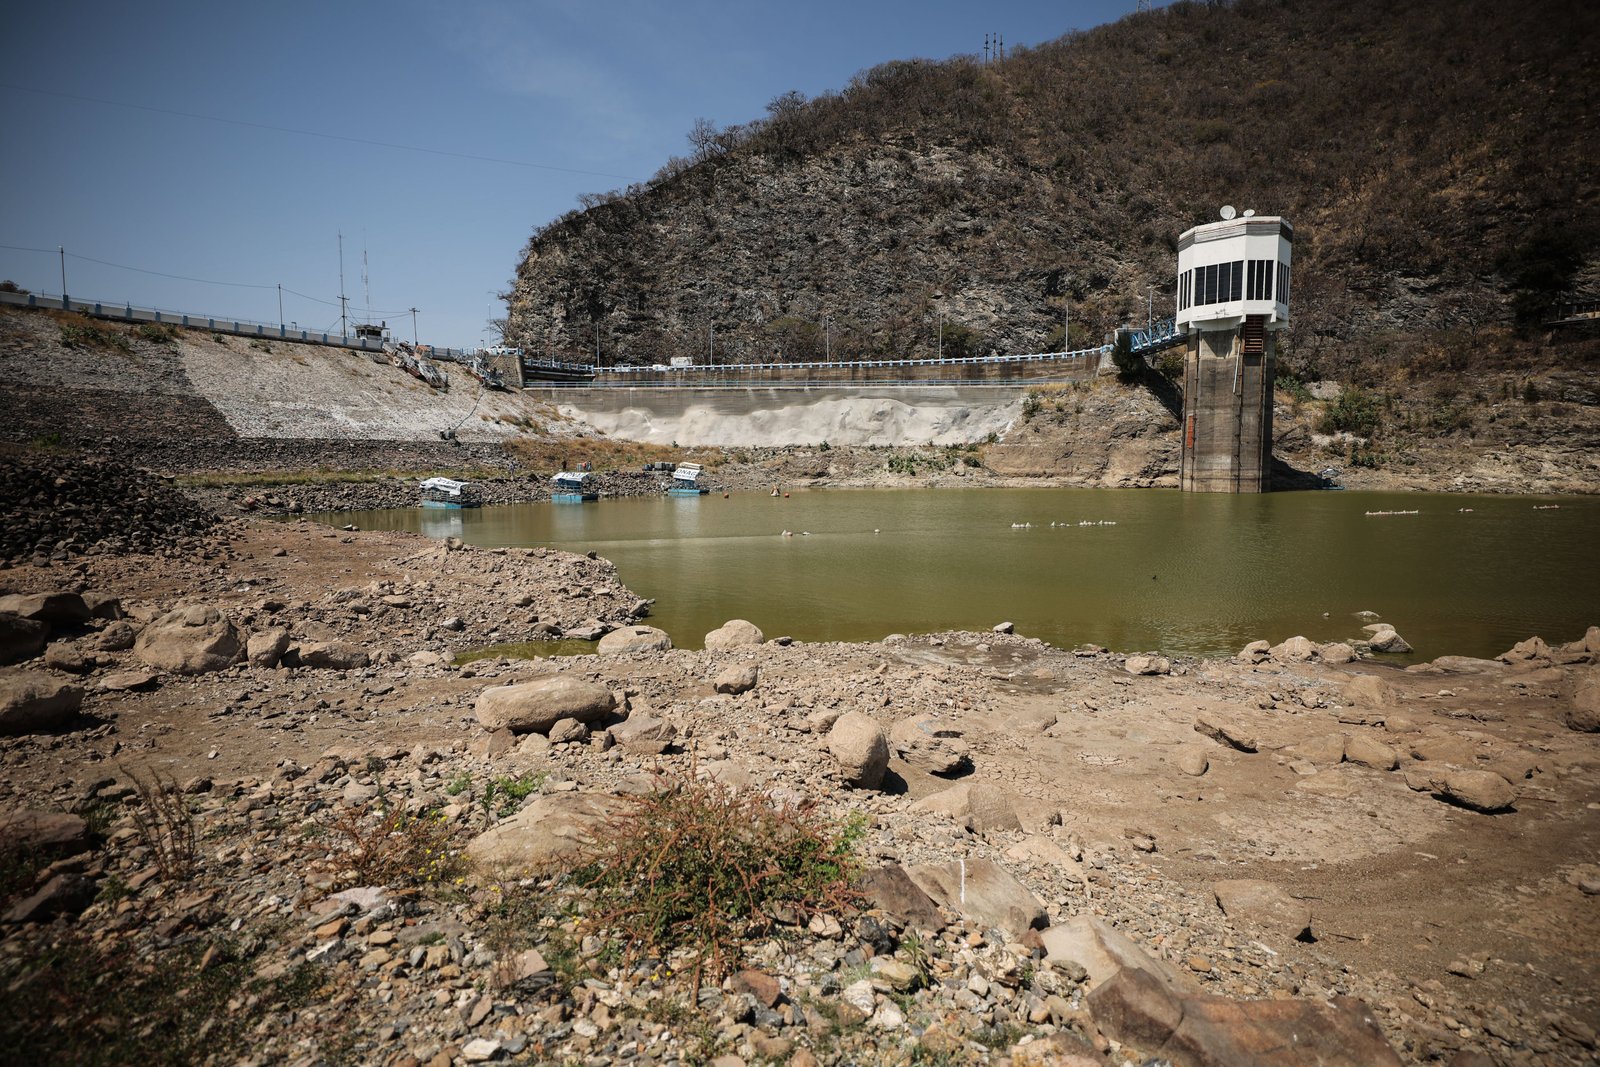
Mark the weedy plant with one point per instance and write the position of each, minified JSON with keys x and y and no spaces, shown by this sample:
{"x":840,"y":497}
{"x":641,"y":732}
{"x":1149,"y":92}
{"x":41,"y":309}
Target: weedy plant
{"x":393,"y":847}
{"x":503,"y":795}
{"x":696,"y":866}
{"x":165,"y":824}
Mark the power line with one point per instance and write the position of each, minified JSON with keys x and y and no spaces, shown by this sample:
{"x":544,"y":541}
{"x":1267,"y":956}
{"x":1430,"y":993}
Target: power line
{"x":202,"y":281}
{"x":315,"y":133}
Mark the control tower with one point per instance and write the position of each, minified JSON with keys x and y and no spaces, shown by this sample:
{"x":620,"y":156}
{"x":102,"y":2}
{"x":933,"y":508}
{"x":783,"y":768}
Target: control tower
{"x":1232,"y":299}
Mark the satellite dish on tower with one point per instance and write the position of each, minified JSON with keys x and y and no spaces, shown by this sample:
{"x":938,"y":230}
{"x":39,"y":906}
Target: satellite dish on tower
{"x":1249,"y":212}
{"x":1228,"y":212}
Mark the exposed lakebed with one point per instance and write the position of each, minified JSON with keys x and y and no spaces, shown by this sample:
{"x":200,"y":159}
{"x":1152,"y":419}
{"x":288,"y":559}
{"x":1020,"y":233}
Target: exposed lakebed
{"x":1133,"y":570}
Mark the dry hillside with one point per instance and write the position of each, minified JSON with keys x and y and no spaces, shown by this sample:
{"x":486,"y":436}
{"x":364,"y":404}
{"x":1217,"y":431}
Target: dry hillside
{"x":1434,"y":157}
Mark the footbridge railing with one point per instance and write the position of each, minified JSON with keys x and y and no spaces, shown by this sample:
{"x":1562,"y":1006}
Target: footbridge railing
{"x":1155,"y":337}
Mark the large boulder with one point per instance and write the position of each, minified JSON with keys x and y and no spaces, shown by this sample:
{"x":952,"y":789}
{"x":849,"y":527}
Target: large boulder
{"x":735,"y":633}
{"x":1264,"y":908}
{"x":1161,"y":1013}
{"x":1324,"y":751}
{"x":1533,"y":650}
{"x":644,"y":734}
{"x":52,"y":831}
{"x":1224,"y":732}
{"x":32,"y":701}
{"x":1368,"y":691}
{"x":330,"y":655}
{"x":1100,"y":951}
{"x":634,"y":639}
{"x":984,"y":806}
{"x":55,"y":609}
{"x":21,"y":638}
{"x":858,"y":743}
{"x":1483,"y":791}
{"x":1336,"y":652}
{"x":1583,"y":714}
{"x":1386,"y":640}
{"x":1198,"y":1030}
{"x":736,"y":678}
{"x":1371,"y":752}
{"x":534,"y":707}
{"x":192,"y":639}
{"x":552,"y":831}
{"x":266,"y":648}
{"x":929,"y":744}
{"x":892,"y":891}
{"x":1294,"y":650}
{"x":983,"y":892}
{"x":1254,"y":652}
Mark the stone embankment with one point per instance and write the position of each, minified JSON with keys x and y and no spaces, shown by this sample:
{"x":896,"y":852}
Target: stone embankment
{"x":259,"y":764}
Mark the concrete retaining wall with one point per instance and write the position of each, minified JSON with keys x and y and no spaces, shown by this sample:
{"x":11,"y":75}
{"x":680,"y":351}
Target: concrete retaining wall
{"x":758,"y":416}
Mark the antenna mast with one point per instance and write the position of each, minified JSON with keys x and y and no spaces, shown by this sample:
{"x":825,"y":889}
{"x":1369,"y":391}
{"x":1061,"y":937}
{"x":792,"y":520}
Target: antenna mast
{"x":366,"y":286}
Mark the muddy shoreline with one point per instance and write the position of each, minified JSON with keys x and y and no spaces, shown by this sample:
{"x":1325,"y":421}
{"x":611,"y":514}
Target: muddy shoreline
{"x":1074,"y":773}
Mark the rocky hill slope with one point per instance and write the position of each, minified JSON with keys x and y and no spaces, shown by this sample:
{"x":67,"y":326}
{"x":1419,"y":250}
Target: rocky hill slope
{"x":1434,"y":159}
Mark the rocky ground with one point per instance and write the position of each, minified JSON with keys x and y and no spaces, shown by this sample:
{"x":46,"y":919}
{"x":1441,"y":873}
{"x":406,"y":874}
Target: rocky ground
{"x":255,"y":810}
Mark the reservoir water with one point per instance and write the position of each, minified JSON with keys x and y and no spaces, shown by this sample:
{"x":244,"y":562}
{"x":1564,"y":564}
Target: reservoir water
{"x":1141,"y":570}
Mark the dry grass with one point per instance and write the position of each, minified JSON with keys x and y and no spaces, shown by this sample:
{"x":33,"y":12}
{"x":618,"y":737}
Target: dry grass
{"x":166,"y":825}
{"x":390,"y":846}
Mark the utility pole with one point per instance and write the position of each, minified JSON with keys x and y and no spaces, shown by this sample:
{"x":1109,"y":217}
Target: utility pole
{"x":941,"y":335}
{"x":827,"y":339}
{"x":344,"y":331}
{"x":280,"y":307}
{"x":1150,"y":312}
{"x":63,"y":250}
{"x":712,"y":358}
{"x":413,"y":327}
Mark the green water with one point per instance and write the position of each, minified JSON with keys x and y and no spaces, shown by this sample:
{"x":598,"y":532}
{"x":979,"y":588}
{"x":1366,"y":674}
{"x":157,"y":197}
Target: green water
{"x":1181,"y":573}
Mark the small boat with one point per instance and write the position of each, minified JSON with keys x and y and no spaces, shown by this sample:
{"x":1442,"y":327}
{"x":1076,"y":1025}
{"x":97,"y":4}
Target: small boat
{"x":571,"y":487}
{"x":686,"y":481}
{"x":447,"y":493}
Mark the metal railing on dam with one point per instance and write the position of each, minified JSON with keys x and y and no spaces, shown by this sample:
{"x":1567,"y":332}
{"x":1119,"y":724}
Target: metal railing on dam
{"x":125,"y":312}
{"x":967,"y":370}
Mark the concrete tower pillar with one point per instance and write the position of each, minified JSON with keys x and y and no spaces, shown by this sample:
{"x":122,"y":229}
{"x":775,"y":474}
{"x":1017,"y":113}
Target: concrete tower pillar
{"x":1232,"y":299}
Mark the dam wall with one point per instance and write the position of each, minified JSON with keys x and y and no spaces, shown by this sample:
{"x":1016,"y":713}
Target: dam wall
{"x":762,"y":416}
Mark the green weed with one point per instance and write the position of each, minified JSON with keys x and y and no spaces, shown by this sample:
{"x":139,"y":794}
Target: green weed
{"x":698,"y":867}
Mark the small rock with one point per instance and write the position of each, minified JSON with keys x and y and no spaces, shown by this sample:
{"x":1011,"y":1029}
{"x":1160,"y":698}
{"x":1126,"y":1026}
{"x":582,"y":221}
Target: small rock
{"x":1147,"y":665}
{"x":1388,"y":641}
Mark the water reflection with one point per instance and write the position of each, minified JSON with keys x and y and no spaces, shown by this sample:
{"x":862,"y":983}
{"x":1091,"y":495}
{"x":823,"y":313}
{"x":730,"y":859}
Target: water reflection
{"x":1193,"y":574}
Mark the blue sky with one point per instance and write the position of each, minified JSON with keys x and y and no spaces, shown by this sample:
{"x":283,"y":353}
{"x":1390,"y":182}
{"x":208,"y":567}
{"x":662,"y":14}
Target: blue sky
{"x":113,"y":151}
